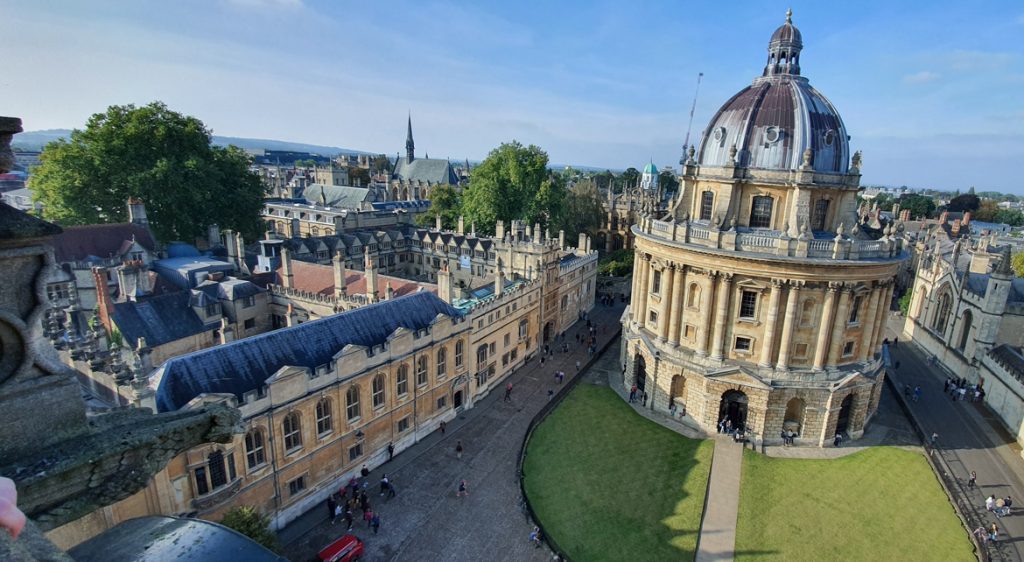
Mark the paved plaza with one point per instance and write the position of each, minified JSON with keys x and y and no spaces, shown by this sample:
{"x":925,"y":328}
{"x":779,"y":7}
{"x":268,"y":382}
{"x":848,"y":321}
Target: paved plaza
{"x":426,"y":521}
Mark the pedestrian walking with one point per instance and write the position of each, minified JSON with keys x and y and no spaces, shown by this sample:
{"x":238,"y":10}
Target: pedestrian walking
{"x":535,"y":536}
{"x":458,"y":449}
{"x":383,"y":484}
{"x":349,"y":519}
{"x":917,"y":393}
{"x":392,"y":490}
{"x":645,"y":399}
{"x":577,"y":365}
{"x":632,"y":394}
{"x":895,"y":342}
{"x":981,"y":533}
{"x":551,"y":394}
{"x":994,"y":534}
{"x":962,"y":392}
{"x":561,"y":376}
{"x":973,"y":480}
{"x":391,"y":451}
{"x":364,"y":472}
{"x":338,"y":512}
{"x":508,"y":392}
{"x":906,"y":391}
{"x":331,"y":506}
{"x":935,"y":439}
{"x":462,"y":489}
{"x":368,"y":516}
{"x":375,"y":523}
{"x":990,"y":502}
{"x":443,"y":426}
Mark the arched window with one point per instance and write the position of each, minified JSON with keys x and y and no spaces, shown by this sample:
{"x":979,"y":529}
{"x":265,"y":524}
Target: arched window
{"x":481,"y":354}
{"x":458,"y":354}
{"x":291,"y":427}
{"x":761,"y":212}
{"x":693,"y":299}
{"x":807,"y":312}
{"x":421,"y":370}
{"x":323,"y":416}
{"x":352,"y":403}
{"x":707,"y":205}
{"x":215,"y":473}
{"x":254,"y":453}
{"x":820,"y":214}
{"x":965,"y":329}
{"x":942,"y":313}
{"x":402,"y":380}
{"x":378,"y":391}
{"x":442,"y":363}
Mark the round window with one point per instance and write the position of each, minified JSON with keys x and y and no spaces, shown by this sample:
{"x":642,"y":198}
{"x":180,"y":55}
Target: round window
{"x":719,"y":133}
{"x":772,"y":134}
{"x":830,"y":137}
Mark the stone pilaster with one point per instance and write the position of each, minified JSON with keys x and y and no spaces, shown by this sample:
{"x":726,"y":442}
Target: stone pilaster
{"x":721,"y":315}
{"x":768,"y":344}
{"x":643,"y":288}
{"x":678,"y":304}
{"x":828,"y":315}
{"x":842,"y":319}
{"x":705,"y":314}
{"x":667,"y":298}
{"x":869,"y":321}
{"x":788,"y":325}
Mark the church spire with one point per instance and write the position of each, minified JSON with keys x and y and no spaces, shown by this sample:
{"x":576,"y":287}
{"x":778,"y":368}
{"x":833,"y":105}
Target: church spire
{"x":410,"y":147}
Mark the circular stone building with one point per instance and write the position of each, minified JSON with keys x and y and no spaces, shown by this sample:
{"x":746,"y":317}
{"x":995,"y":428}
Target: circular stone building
{"x":756,"y":295}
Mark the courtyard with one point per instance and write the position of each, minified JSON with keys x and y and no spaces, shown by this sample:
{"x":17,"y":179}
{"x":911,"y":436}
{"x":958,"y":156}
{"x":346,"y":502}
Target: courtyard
{"x":610,"y":485}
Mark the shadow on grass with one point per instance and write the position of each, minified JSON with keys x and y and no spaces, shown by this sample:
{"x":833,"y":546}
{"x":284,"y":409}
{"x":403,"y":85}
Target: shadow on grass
{"x":608,"y":484}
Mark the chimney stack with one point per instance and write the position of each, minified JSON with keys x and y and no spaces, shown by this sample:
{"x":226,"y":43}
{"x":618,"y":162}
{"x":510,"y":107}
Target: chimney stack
{"x":462,"y":225}
{"x":287,"y":279}
{"x":444,"y":283}
{"x":437,"y":222}
{"x":499,"y":280}
{"x":561,"y":239}
{"x":339,"y":275}
{"x":137,"y":212}
{"x":582,"y":244}
{"x":371,"y":276}
{"x":499,"y":230}
{"x":227,"y":333}
{"x":967,"y":219}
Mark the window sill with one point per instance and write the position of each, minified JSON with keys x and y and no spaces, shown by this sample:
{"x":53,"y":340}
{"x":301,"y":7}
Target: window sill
{"x":324,"y":435}
{"x":293,"y":450}
{"x":743,"y":351}
{"x":751,"y":321}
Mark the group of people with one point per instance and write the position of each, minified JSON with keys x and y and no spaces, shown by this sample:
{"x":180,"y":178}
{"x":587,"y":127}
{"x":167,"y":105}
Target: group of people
{"x":726,"y":426}
{"x":788,"y":437}
{"x":1000,"y":507}
{"x":352,"y":497}
{"x":635,"y":394}
{"x":960,"y":389}
{"x":912,"y":393}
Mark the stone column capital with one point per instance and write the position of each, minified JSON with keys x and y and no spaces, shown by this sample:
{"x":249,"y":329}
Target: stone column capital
{"x":777,"y":283}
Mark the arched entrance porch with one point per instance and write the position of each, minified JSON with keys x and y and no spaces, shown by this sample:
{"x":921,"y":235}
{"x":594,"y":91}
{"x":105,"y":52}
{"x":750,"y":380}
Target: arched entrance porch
{"x":639,"y":372}
{"x":845,"y":412}
{"x":734,"y":408}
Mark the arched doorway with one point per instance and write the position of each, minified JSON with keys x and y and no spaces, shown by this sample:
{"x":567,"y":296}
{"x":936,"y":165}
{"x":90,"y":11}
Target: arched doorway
{"x":734,"y":408}
{"x":794,"y":418}
{"x":547,"y":332}
{"x":845,"y":411}
{"x":457,"y":399}
{"x":639,"y":372}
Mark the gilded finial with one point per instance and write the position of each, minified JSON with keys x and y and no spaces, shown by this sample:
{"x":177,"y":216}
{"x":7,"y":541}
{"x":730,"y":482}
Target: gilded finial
{"x":789,"y":15}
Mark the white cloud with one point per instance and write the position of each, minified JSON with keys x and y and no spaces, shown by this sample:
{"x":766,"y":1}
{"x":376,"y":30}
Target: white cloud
{"x":921,"y":77}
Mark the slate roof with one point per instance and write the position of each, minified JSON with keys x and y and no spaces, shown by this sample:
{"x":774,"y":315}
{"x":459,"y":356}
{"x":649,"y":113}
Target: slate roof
{"x":430,"y":170}
{"x":246,"y":364}
{"x":79,"y":243}
{"x":341,"y":196}
{"x":159,"y":319}
{"x":1010,"y":358}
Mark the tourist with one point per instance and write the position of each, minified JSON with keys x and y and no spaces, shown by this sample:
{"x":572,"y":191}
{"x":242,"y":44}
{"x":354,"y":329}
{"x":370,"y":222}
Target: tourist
{"x":349,"y":519}
{"x":383,"y":484}
{"x":994,"y":534}
{"x":391,"y":451}
{"x":981,"y":533}
{"x":785,"y":438}
{"x":331,"y":507}
{"x":632,"y":394}
{"x":508,"y":392}
{"x":917,"y":393}
{"x":838,"y":440}
{"x":364,"y":502}
{"x":728,"y":426}
{"x":990,"y":502}
{"x":458,"y":449}
{"x":935,"y":439}
{"x":551,"y":394}
{"x":443,"y":426}
{"x":973,"y":480}
{"x":1006,"y":507}
{"x":368,"y":516}
{"x":577,"y":365}
{"x":375,"y":523}
{"x":535,"y":536}
{"x":462,"y":489}
{"x":945,"y":387}
{"x":962,"y":392}
{"x":645,"y":399}
{"x":721,"y":425}
{"x":561,"y":376}
{"x":906,"y":391}
{"x":896,"y":342}
{"x":338,"y":512}
{"x":392,"y":492}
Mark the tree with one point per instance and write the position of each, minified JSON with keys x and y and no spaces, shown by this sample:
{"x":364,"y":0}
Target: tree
{"x":308,"y":163}
{"x":1012,"y":217}
{"x":253,"y":524}
{"x":965,"y":202}
{"x":629,"y":178}
{"x":919,"y":205}
{"x":513,"y":182}
{"x":445,"y":201}
{"x":358,"y":175}
{"x":380,"y":163}
{"x":904,"y":301}
{"x":161,"y":156}
{"x":668,"y":182}
{"x":583,"y":210}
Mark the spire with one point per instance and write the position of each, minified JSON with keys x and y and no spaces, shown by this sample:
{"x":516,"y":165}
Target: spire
{"x":410,"y":146}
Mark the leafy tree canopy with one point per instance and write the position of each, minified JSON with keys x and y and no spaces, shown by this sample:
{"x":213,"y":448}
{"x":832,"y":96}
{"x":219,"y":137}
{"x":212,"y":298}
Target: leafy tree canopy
{"x":253,"y":524}
{"x":445,"y":201}
{"x":919,"y":205}
{"x":513,"y":182}
{"x":965,"y":202}
{"x":380,"y":163}
{"x":629,"y":178}
{"x":161,"y":156}
{"x":583,"y":210}
{"x":1017,"y":262}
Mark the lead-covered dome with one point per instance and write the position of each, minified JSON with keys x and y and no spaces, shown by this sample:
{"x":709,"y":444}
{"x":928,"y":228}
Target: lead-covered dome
{"x":772,"y":122}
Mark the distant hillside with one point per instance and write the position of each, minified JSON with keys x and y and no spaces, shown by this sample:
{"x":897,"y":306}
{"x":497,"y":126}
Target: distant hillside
{"x":35,"y":140}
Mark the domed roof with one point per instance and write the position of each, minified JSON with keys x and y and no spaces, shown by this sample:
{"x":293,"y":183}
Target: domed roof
{"x":772,"y":122}
{"x":650,"y":169}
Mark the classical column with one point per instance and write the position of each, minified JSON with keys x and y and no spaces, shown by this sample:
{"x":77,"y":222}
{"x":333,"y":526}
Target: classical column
{"x":705,"y":314}
{"x":768,"y":342}
{"x":667,"y":298}
{"x":721,"y":314}
{"x":868,"y":322}
{"x":641,"y":291}
{"x":828,"y":314}
{"x":883,"y":315}
{"x":678,"y":304}
{"x":788,"y":325}
{"x":635,"y":287}
{"x":842,"y":320}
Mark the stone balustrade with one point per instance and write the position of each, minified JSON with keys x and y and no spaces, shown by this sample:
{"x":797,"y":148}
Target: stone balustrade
{"x":771,"y":242}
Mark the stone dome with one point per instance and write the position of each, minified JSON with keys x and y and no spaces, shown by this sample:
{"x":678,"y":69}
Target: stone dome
{"x":772,"y":122}
{"x":650,"y":169}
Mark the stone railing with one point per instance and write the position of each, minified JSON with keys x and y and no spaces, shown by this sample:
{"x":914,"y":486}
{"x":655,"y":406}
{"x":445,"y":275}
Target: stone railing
{"x":771,"y":242}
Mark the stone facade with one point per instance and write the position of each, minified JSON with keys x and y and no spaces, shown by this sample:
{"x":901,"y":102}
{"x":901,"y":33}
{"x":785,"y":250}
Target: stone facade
{"x":751,"y":301}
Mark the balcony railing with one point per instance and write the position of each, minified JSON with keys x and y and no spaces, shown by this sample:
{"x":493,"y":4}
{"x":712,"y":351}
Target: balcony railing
{"x":772,"y":242}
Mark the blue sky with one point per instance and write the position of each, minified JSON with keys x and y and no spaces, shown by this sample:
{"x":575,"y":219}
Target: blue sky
{"x":931,"y":92}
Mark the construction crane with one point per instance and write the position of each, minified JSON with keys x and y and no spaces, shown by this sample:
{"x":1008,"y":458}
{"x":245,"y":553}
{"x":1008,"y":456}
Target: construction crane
{"x":686,"y":143}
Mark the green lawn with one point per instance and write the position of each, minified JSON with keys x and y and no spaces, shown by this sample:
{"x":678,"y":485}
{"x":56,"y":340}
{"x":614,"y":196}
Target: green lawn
{"x":878,"y":504}
{"x":608,"y":484}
